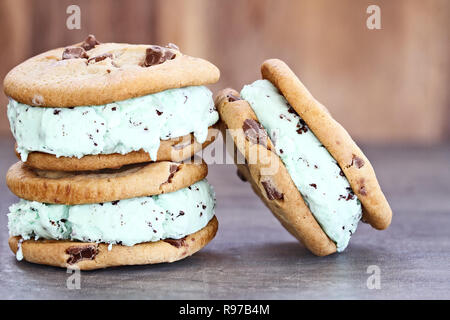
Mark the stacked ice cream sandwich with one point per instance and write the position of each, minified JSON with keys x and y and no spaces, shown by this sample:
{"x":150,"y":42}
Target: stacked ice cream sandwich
{"x":101,"y":130}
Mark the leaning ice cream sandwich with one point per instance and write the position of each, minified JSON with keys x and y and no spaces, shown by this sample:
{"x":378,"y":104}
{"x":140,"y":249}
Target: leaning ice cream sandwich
{"x":300,"y":161}
{"x":96,"y":105}
{"x":139,"y":214}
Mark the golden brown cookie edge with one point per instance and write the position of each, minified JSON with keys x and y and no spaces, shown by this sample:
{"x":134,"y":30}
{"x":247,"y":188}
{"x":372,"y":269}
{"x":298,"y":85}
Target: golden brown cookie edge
{"x":97,"y":187}
{"x":183,"y":71}
{"x":335,"y":138}
{"x":166,"y":152}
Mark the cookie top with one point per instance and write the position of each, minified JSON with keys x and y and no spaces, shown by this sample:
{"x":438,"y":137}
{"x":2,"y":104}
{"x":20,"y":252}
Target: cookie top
{"x":90,"y":256}
{"x":104,"y":185}
{"x":93,"y":73}
{"x":354,"y":164}
{"x":267,"y":174}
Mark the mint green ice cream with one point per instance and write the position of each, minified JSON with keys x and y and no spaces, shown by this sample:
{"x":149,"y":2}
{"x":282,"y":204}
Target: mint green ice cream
{"x":119,"y":127}
{"x":127,"y":222}
{"x":313,"y":170}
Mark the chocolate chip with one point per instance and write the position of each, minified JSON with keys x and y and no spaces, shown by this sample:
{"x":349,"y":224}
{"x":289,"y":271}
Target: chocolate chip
{"x":313,"y":185}
{"x":178,"y":243}
{"x":159,"y":112}
{"x":114,"y":203}
{"x":89,"y":43}
{"x":74,"y":53}
{"x":291,"y":110}
{"x":254,"y":132}
{"x":357,"y":161}
{"x":204,"y":207}
{"x":241,"y":176}
{"x":156,"y":55}
{"x":81,"y":253}
{"x":283,"y":117}
{"x":101,"y":57}
{"x":363,"y":191}
{"x":302,"y":127}
{"x":232,"y":98}
{"x":181,"y":213}
{"x":350,"y":195}
{"x":56,"y":112}
{"x":172,"y":170}
{"x":271,"y":192}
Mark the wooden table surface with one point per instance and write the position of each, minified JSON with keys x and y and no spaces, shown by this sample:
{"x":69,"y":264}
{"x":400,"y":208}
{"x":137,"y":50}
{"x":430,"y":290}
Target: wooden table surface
{"x":253,"y":257}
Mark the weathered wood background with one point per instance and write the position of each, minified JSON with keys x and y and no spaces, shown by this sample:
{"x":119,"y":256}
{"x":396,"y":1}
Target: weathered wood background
{"x":388,"y":85}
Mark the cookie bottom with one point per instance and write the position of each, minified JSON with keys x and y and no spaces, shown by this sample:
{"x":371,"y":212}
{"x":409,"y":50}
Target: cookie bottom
{"x":90,"y":256}
{"x":176,"y":150}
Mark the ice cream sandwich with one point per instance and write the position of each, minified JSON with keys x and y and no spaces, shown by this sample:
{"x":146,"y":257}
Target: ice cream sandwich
{"x":139,"y":214}
{"x":300,"y":161}
{"x":94,"y":105}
